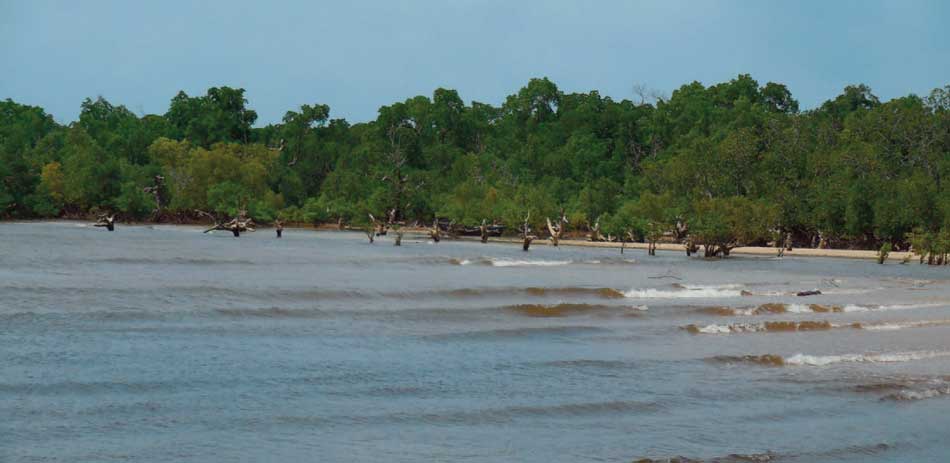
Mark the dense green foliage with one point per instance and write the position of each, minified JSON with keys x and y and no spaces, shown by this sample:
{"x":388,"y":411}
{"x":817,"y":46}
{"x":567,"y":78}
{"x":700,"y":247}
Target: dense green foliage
{"x":734,"y":162}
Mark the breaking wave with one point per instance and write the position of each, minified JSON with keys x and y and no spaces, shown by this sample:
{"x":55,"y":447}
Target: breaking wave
{"x":786,"y":326}
{"x":688,"y":291}
{"x":824,"y":360}
{"x":778,"y":308}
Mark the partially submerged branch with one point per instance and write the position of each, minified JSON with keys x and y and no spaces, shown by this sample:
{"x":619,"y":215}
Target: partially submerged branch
{"x":237,"y":225}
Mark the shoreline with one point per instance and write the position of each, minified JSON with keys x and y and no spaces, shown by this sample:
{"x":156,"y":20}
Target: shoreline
{"x":894,"y":256}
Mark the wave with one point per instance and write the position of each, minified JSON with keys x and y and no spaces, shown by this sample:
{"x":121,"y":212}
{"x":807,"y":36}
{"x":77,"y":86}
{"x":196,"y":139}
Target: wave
{"x":585,"y":363}
{"x":525,"y":332}
{"x":778,"y":308}
{"x":527,"y":263}
{"x":487,"y":415}
{"x":271,"y":312}
{"x":919,"y":394}
{"x":688,"y":291}
{"x":805,"y":325}
{"x":760,"y":327}
{"x":825,"y":360}
{"x":844,"y":453}
{"x":567,"y":291}
{"x":566,"y":309}
{"x":731,"y":458}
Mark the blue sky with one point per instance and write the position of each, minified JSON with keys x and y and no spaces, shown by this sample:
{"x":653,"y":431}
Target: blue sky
{"x":358,"y":55}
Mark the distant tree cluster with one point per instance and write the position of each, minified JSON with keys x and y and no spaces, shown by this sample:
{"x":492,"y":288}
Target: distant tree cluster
{"x":733,"y":163}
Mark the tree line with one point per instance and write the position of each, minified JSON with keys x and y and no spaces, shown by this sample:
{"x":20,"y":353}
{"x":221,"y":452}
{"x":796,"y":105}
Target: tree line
{"x":728,"y":164}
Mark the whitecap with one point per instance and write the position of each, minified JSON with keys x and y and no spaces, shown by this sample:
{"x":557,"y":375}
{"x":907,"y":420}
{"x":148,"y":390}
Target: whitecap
{"x":688,"y":291}
{"x":824,"y":360}
{"x":528,"y":263}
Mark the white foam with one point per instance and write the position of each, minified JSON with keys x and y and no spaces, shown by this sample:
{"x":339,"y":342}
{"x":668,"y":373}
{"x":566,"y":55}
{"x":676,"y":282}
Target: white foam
{"x":823,"y":360}
{"x":921,"y":395}
{"x":901,"y":325}
{"x":798,"y":308}
{"x":688,"y":291}
{"x":728,"y":329}
{"x":864,"y":308}
{"x":527,"y":263}
{"x":715,"y":329}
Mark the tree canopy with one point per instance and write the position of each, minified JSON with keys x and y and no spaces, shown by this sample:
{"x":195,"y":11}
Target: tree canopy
{"x":732,"y":161}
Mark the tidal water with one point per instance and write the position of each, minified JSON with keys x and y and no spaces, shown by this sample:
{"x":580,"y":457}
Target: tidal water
{"x":163,"y":344}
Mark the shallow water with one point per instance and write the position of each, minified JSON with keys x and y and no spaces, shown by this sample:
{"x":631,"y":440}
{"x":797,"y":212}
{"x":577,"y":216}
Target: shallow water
{"x":164,"y":344}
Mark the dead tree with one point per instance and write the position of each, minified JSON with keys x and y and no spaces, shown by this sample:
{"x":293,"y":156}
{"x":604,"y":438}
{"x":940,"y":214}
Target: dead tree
{"x":435,"y":232}
{"x":105,"y":220}
{"x":398,"y":240}
{"x":556,"y":230}
{"x":279,"y":227}
{"x":156,"y":192}
{"x":238,"y":224}
{"x":379,"y":228}
{"x":691,"y":246}
{"x":526,"y":236}
{"x":595,"y":234}
{"x":822,"y":240}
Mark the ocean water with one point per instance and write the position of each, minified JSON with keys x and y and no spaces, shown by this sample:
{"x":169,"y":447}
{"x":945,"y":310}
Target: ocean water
{"x":163,"y":344}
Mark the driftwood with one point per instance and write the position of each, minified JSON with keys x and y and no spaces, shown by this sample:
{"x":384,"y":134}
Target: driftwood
{"x":556,"y":230}
{"x":105,"y":220}
{"x":241,"y":223}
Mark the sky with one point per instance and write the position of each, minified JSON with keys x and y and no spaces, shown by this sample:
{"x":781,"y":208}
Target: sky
{"x":356,"y":56}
